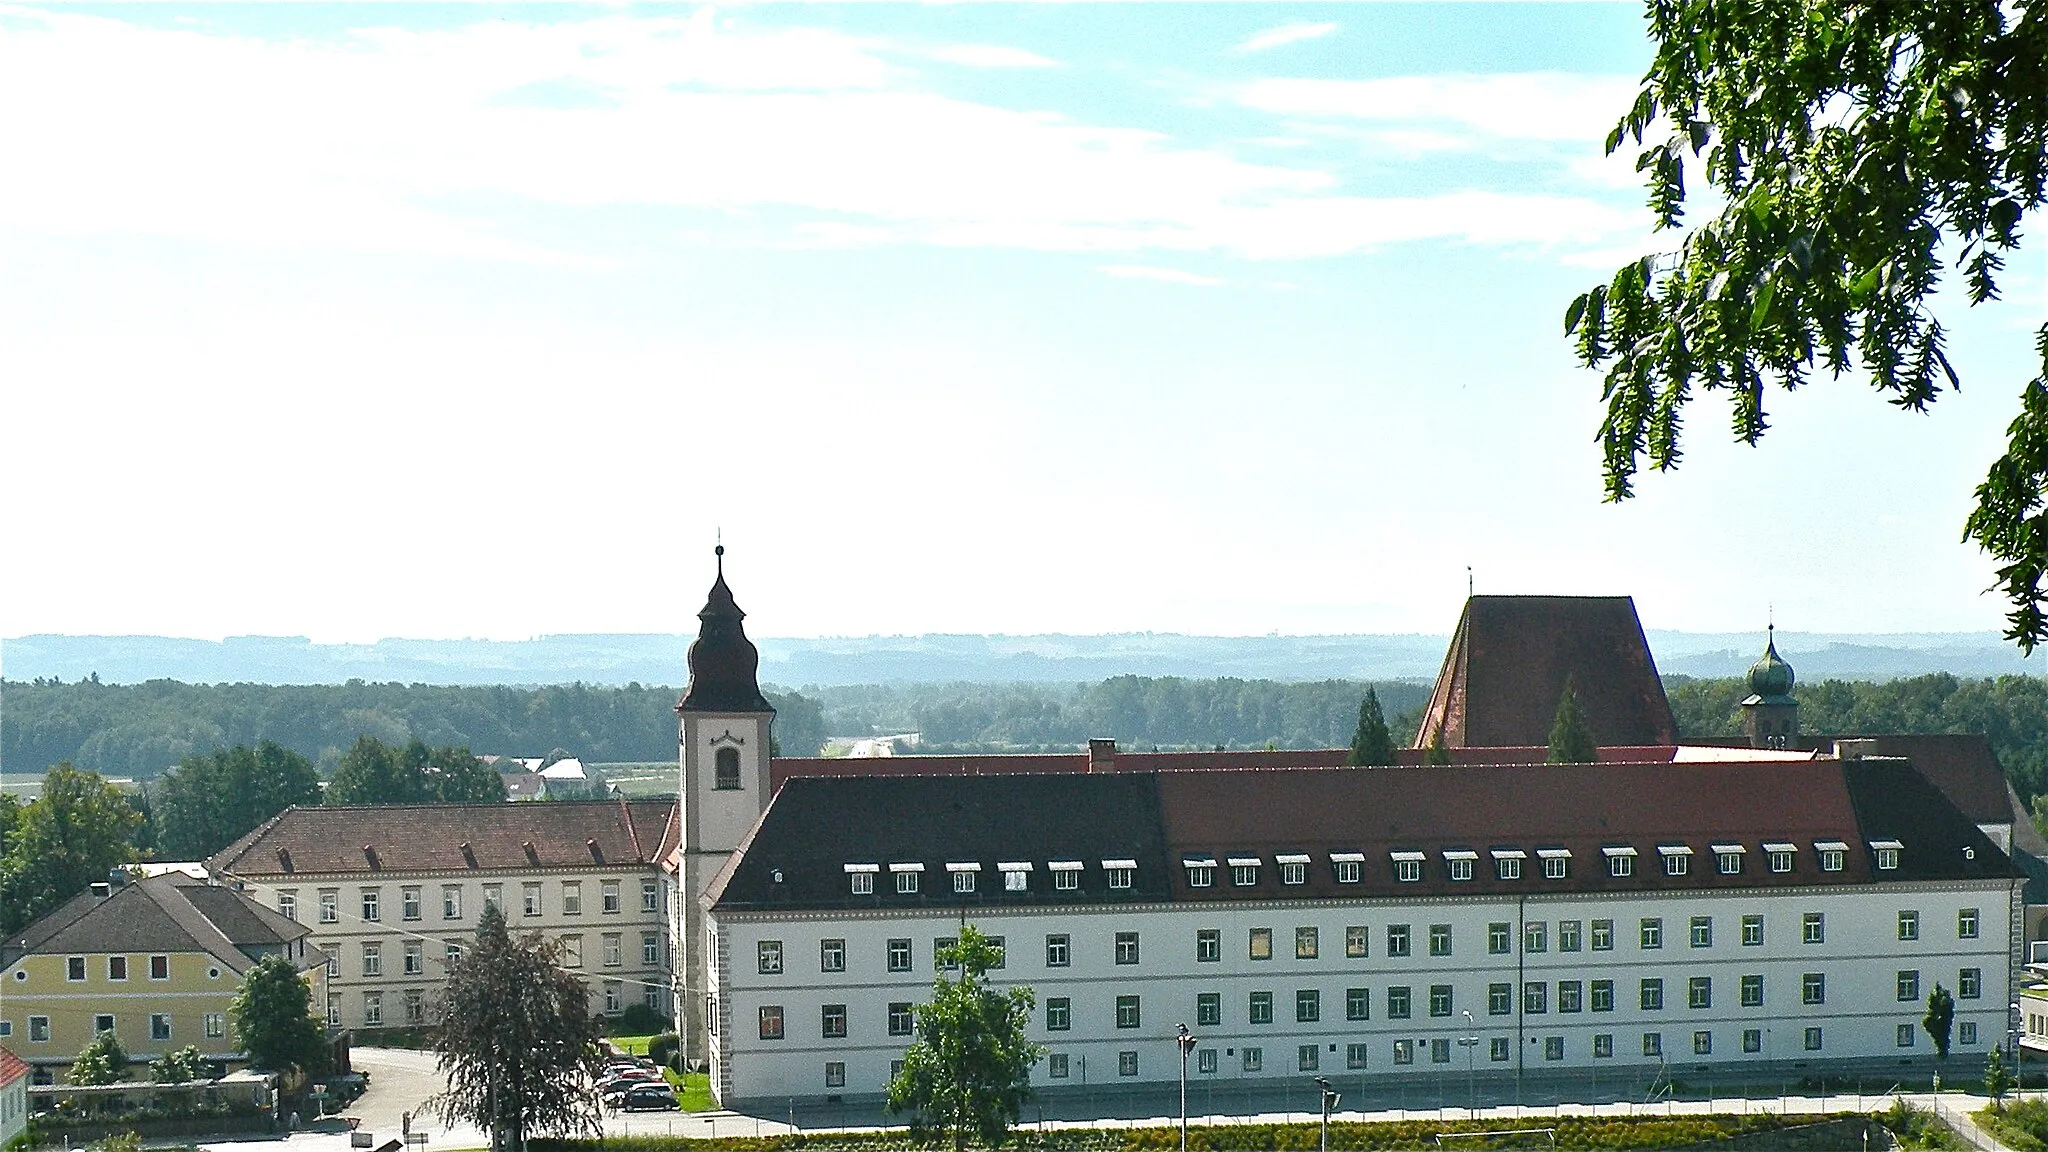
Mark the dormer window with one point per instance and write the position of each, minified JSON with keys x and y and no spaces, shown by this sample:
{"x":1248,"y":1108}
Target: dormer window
{"x":1016,"y":875}
{"x":1507,"y":863}
{"x":1728,"y":859}
{"x":1119,"y":872}
{"x":907,"y":877}
{"x":1066,"y":875}
{"x":1621,"y":860}
{"x":1293,"y":868}
{"x":1887,"y":854}
{"x":1780,"y":856}
{"x":861,"y":878}
{"x":1244,"y":871}
{"x":1346,"y":866}
{"x":1831,"y":854}
{"x":1458,"y":863}
{"x":963,"y":875}
{"x":1407,"y":866}
{"x":1677,"y":859}
{"x":1201,"y":870}
{"x":1557,"y":863}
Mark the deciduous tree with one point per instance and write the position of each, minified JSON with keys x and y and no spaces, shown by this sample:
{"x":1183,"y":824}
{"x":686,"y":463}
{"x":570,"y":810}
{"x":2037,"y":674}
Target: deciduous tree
{"x":1856,"y":150}
{"x":273,"y":1015}
{"x":516,"y":1039}
{"x":101,"y":1061}
{"x":65,"y":839}
{"x":1372,"y":743}
{"x":969,"y":1071}
{"x":207,"y":802}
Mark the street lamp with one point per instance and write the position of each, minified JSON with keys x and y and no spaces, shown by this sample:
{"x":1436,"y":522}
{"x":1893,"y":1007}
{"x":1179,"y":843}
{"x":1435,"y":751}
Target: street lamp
{"x":1186,"y":1041}
{"x":1330,"y":1099}
{"x":1468,"y":1043}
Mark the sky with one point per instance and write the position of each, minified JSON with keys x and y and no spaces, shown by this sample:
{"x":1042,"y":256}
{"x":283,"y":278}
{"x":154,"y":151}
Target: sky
{"x":355,"y":322}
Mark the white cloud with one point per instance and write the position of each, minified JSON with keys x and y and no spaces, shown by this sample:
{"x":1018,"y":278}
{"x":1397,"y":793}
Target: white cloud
{"x":1169,"y":275}
{"x":992,"y":56}
{"x":1285,"y":34}
{"x":1544,"y":106}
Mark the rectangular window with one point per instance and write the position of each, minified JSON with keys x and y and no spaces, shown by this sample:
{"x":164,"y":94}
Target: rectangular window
{"x":1699,"y":992}
{"x":768,"y":957}
{"x":451,"y":953}
{"x":1499,"y":938}
{"x":1831,"y":859}
{"x":1507,"y":867}
{"x":572,"y":898}
{"x":902,"y":1022}
{"x":159,"y":967}
{"x":963,"y":880}
{"x":1408,"y":871}
{"x":1557,"y":866}
{"x":1201,"y":875}
{"x":1244,"y":875}
{"x":1208,"y":945}
{"x":1567,"y":935}
{"x":1653,"y":1043}
{"x":1254,"y":1059}
{"x":835,"y":1074}
{"x":1813,"y":928}
{"x":650,"y":896}
{"x":1261,"y":944}
{"x":1500,"y":999}
{"x":1398,"y":1003}
{"x":1016,"y":880}
{"x":1127,"y":1063}
{"x":1571,"y":996}
{"x":1127,"y":947}
{"x":861,"y":883}
{"x":650,"y":950}
{"x":1908,"y":985}
{"x":1813,"y":988}
{"x":1535,"y":936}
{"x":288,"y":905}
{"x":1397,"y":939}
{"x":1404,"y":1051}
{"x":370,"y":904}
{"x":1909,"y":925}
{"x":409,"y":903}
{"x":1127,"y":1015}
{"x":1440,"y":1000}
{"x":1056,"y":1066}
{"x":1703,"y":1043}
{"x":334,"y":1011}
{"x":608,"y":895}
{"x":1356,"y":944}
{"x":451,"y":902}
{"x":831,"y":955}
{"x":117,"y":967}
{"x":1059,"y":950}
{"x":1306,"y":1056}
{"x":771,"y":1022}
{"x":216,"y":1025}
{"x":1970,"y":983}
{"x":1346,"y":870}
{"x":614,"y":950}
{"x":899,"y":955}
{"x":1535,"y":998}
{"x":415,"y":958}
{"x":1205,"y":1061}
{"x":1497,"y":1048}
{"x":373,"y":1008}
{"x":1781,"y":860}
{"x":415,"y":1006}
{"x":1677,"y":863}
{"x":159,"y":1026}
{"x":1752,"y":1040}
{"x":1259,"y":1008}
{"x":1966,"y":1033}
{"x":1602,"y":995}
{"x":1440,"y":1050}
{"x":334,"y":962}
{"x":1752,"y":931}
{"x":1753,"y":991}
{"x":939,"y":960}
{"x":1603,"y":935}
{"x":373,"y":959}
{"x":1553,"y":1047}
{"x":1813,"y":1039}
{"x":102,"y":1023}
{"x":1439,"y":939}
{"x":1966,"y":924}
{"x":1621,"y":864}
{"x":1307,"y":943}
{"x":330,"y":906}
{"x":832,"y":1022}
{"x":1209,"y":1009}
{"x":1730,"y":862}
{"x":1702,"y":933}
{"x":1308,"y":1006}
{"x":1358,"y":1004}
{"x":1354,"y":1056}
{"x":1063,"y":880}
{"x":1904,"y":1033}
{"x":1293,"y":872}
{"x":1603,"y":1046}
{"x":1459,"y":867}
{"x":1652,"y":932}
{"x":1652,"y":994}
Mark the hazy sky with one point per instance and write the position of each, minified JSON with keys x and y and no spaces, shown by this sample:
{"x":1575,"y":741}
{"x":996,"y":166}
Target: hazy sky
{"x":366,"y":321}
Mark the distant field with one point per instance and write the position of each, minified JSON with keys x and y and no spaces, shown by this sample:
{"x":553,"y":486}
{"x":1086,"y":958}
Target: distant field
{"x":27,"y":785}
{"x":658,"y":779}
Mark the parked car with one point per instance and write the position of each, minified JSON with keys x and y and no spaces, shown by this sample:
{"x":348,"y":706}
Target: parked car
{"x":626,"y":1080}
{"x":648,"y":1098}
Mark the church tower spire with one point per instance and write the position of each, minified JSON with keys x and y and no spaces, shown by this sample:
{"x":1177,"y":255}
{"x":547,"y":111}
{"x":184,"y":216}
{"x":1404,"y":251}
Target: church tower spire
{"x":1770,"y":716}
{"x":724,"y":665}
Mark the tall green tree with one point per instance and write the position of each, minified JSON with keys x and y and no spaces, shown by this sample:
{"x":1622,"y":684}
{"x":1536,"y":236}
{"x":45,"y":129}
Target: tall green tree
{"x":1372,"y":743}
{"x":1998,"y":1078}
{"x":457,"y":777}
{"x":101,"y":1061}
{"x":969,"y":1071}
{"x":373,"y":772}
{"x":1438,"y":753}
{"x":65,"y":839}
{"x":274,"y":1018}
{"x":516,"y":1040}
{"x":1571,"y":739}
{"x":1853,"y":149}
{"x":1940,"y":1018}
{"x":208,"y":802}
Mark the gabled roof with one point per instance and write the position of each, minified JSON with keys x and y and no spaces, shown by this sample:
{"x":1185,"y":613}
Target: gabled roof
{"x":445,"y":838}
{"x":12,"y":1068}
{"x":1507,"y":665}
{"x":169,"y":913}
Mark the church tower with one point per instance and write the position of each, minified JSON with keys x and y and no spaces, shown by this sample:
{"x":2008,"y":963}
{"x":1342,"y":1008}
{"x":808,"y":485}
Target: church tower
{"x":724,"y":738}
{"x":1770,"y":716}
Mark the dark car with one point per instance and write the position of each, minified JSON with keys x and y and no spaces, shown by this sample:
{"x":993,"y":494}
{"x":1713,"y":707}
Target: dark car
{"x":648,"y":1098}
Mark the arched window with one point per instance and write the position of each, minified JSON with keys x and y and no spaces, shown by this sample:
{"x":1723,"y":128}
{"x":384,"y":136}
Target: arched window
{"x":728,"y":769}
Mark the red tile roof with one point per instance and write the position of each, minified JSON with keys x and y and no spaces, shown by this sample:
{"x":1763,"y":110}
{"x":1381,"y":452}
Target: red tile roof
{"x":12,"y":1068}
{"x":402,"y":838}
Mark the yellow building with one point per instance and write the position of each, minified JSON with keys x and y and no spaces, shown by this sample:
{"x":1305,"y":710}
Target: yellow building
{"x":157,"y":961}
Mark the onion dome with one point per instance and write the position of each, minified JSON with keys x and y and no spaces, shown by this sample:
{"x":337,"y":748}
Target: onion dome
{"x":1770,"y":678}
{"x":724,"y":666}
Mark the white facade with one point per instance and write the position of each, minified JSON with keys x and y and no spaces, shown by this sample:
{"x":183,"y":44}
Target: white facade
{"x":723,"y":787}
{"x":1712,"y":979}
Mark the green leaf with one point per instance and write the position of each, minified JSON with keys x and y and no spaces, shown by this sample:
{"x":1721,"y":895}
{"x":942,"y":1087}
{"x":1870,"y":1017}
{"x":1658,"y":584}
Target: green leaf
{"x":1761,"y":311}
{"x":1574,"y":314}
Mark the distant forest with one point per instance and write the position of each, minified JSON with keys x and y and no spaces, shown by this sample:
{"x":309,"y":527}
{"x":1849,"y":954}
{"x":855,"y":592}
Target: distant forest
{"x":140,"y":730}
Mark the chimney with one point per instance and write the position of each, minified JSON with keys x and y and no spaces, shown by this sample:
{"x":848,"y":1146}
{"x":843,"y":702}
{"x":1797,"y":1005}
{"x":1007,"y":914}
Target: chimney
{"x":370,"y":855}
{"x":1101,"y":755}
{"x":596,"y":853}
{"x":468,"y":855}
{"x":532,"y":853}
{"x":284,"y":859}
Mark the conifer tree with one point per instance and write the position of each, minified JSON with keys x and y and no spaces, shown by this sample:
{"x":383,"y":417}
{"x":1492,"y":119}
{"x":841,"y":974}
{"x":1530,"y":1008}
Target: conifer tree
{"x":1371,"y":744}
{"x":1571,"y":741}
{"x":1438,"y":753}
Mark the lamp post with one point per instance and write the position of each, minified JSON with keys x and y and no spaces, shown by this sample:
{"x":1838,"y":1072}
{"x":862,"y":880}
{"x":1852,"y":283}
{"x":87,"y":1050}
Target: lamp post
{"x":1330,"y":1099}
{"x":1468,"y":1043}
{"x":1186,"y":1041}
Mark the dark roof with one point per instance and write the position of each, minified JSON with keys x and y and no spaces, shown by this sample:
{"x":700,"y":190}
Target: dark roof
{"x":724,"y":667}
{"x":174,"y":912}
{"x":1056,"y":763}
{"x":410,"y":838}
{"x":817,"y":826}
{"x":1508,"y":661}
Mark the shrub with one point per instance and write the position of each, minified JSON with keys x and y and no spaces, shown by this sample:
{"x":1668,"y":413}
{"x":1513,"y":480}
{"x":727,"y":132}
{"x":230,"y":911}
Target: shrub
{"x":664,"y":1049}
{"x":636,"y":1020}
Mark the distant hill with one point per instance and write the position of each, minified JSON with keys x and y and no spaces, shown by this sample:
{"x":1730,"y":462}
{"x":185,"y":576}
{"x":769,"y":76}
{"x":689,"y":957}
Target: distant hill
{"x":1047,"y":659}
